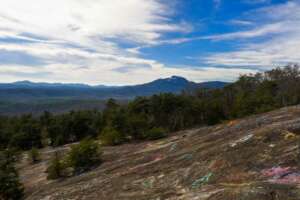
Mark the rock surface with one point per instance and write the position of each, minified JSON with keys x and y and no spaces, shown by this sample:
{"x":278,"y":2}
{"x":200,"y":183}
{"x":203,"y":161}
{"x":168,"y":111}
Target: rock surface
{"x":256,"y":158}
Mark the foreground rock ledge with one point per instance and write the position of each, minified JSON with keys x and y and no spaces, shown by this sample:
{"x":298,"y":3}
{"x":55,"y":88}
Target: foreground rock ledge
{"x":255,"y":158}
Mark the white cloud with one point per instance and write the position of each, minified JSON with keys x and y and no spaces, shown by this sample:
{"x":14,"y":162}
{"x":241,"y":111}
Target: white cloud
{"x":280,"y":27}
{"x":75,"y":65}
{"x":77,"y":21}
{"x":68,"y":73}
{"x":79,"y":40}
{"x":266,"y":55}
{"x":268,"y":29}
{"x":257,"y":1}
{"x":241,"y":22}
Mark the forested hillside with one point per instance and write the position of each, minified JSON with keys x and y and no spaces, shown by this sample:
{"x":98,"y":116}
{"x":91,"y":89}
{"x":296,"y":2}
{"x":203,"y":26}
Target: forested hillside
{"x":251,"y":94}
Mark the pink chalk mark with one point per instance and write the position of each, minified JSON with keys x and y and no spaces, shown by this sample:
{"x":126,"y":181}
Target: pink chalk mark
{"x":276,"y":171}
{"x":282,"y":175}
{"x":293,"y":178}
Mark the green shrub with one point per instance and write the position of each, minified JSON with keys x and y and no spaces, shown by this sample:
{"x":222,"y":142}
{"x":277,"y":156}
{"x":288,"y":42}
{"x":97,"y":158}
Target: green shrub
{"x":84,"y":156}
{"x":155,"y":134}
{"x":56,"y":167}
{"x":10,"y":186}
{"x":110,"y":136}
{"x":34,"y":155}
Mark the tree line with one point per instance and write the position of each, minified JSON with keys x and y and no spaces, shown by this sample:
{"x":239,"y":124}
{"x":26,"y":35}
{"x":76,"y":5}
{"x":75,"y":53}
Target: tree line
{"x":153,"y":117}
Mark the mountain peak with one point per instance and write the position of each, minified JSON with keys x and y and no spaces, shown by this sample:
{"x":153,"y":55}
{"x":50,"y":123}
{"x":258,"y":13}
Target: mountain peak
{"x":176,"y":79}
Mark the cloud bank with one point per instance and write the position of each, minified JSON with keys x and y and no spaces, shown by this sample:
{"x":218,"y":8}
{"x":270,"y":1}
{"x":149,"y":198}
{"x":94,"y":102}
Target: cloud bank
{"x":101,"y":41}
{"x":80,"y":41}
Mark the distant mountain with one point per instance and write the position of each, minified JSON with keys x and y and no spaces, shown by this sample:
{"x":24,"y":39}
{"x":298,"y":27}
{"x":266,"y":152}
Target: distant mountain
{"x":26,"y":96}
{"x":26,"y":90}
{"x":174,"y":84}
{"x":28,"y":84}
{"x":212,"y":84}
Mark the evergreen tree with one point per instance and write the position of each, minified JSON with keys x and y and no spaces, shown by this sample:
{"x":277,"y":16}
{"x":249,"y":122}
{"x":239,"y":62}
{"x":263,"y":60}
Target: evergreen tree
{"x":10,"y":186}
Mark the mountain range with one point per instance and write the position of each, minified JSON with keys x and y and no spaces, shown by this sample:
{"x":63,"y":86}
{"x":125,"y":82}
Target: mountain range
{"x":25,"y":96}
{"x":26,"y":90}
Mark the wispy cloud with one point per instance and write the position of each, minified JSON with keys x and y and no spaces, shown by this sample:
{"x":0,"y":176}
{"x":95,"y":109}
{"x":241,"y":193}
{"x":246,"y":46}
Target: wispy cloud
{"x":77,"y":21}
{"x":241,"y":22}
{"x":257,"y":1}
{"x":280,"y":27}
{"x":101,"y":41}
{"x":268,"y":29}
{"x":79,"y":41}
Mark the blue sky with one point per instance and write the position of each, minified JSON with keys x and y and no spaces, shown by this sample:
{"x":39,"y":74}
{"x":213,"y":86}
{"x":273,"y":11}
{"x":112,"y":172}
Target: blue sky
{"x":120,"y":42}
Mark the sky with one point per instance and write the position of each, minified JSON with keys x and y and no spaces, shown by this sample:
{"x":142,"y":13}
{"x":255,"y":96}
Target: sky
{"x":125,"y":42}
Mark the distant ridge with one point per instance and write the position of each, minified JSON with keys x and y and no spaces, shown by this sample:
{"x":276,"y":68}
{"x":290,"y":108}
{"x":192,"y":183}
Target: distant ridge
{"x":26,"y":90}
{"x":29,"y":97}
{"x":26,"y":83}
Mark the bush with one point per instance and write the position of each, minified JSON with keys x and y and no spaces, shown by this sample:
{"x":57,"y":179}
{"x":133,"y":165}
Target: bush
{"x":56,"y":167}
{"x":110,"y":136}
{"x":34,"y":155}
{"x":155,"y":134}
{"x":10,"y":186}
{"x":84,"y":156}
